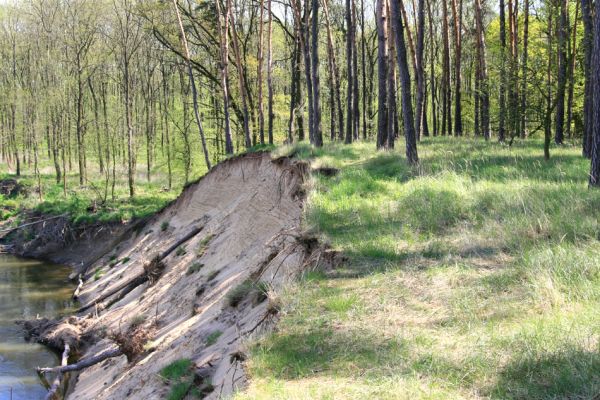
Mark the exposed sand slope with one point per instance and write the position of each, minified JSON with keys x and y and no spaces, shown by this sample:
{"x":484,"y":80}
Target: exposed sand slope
{"x":250,"y":210}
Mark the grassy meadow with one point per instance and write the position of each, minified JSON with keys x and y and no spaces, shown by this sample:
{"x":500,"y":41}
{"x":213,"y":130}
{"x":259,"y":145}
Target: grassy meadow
{"x":473,"y":276}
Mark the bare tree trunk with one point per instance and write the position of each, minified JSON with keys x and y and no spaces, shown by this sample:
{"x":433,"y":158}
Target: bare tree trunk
{"x":595,"y":75}
{"x":349,"y":100}
{"x":484,"y":91}
{"x":318,"y":134}
{"x":524,"y":71}
{"x":407,"y":110}
{"x":559,"y":116}
{"x":420,"y":109}
{"x":586,"y":16}
{"x":432,"y":54}
{"x":223,"y":27}
{"x":446,"y":91}
{"x":382,"y":66}
{"x":270,"y":71}
{"x":241,"y":80}
{"x":355,"y":87}
{"x":457,"y":13}
{"x":364,"y":68}
{"x":336,"y":102}
{"x":502,"y":102}
{"x":193,"y":86}
{"x":259,"y":73}
{"x":571,"y":76}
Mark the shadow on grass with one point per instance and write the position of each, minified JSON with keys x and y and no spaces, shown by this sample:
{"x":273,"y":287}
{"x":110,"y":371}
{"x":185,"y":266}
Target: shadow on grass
{"x":325,"y":351}
{"x":567,"y":375}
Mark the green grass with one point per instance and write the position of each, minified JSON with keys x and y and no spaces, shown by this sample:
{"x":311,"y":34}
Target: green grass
{"x":195,"y":267}
{"x":213,"y":337}
{"x":474,"y":275}
{"x":84,"y":203}
{"x":180,"y":377}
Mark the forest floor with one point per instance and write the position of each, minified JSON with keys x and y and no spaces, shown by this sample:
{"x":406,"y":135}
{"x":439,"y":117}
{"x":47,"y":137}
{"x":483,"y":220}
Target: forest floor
{"x":476,"y":275}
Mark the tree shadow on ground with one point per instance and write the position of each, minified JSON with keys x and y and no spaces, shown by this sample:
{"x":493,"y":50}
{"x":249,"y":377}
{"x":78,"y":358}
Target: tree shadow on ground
{"x":570,"y":374}
{"x":326,"y":351}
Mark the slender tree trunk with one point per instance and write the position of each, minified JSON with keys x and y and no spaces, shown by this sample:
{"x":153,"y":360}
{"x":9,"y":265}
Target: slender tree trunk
{"x":382,"y":66}
{"x":295,"y":95}
{"x":129,"y":123}
{"x":571,"y":76}
{"x":446,"y":91}
{"x":318,"y":134}
{"x":355,"y":87}
{"x":350,"y":70}
{"x":193,"y":87}
{"x":334,"y":77}
{"x":524,"y":72}
{"x":502,"y":102}
{"x":484,"y":91}
{"x":96,"y":125}
{"x":595,"y":75}
{"x":588,"y":98}
{"x":420,"y":110}
{"x":241,"y":80}
{"x":79,"y":127}
{"x":392,"y":123}
{"x":259,"y":73}
{"x":407,"y":110}
{"x":559,"y":116}
{"x":364,"y":68}
{"x":432,"y":58}
{"x":548,"y":113}
{"x":223,"y":27}
{"x":457,"y":13}
{"x":270,"y":71}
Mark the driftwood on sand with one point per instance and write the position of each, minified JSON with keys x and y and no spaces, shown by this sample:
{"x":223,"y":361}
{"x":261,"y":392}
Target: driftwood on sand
{"x":82,"y":364}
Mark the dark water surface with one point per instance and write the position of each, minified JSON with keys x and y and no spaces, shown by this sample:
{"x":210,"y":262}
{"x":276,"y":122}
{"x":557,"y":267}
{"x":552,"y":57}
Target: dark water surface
{"x":28,"y":288}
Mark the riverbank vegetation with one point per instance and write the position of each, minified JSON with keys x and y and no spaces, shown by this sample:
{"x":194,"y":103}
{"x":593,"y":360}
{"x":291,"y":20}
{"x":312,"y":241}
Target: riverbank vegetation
{"x":473,"y":276}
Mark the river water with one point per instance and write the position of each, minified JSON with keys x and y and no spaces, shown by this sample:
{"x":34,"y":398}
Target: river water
{"x":28,"y":289}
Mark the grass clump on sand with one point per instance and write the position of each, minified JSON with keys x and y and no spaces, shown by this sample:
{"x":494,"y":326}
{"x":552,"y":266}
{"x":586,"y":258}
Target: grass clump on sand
{"x":179,"y":376}
{"x":474,"y":275}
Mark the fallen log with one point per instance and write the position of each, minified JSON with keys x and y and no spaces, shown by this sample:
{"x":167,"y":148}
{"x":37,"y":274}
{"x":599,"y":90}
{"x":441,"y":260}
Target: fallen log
{"x":85,"y":363}
{"x":142,"y":277}
{"x":56,"y":384}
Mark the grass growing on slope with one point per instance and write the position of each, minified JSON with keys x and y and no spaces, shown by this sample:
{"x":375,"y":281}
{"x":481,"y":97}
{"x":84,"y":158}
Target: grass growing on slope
{"x":475,"y":275}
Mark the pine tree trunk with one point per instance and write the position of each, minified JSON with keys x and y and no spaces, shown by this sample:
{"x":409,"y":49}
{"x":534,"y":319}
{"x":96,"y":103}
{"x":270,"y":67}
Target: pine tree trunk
{"x":595,"y":75}
{"x":524,"y":72}
{"x":571,"y":74}
{"x":559,"y":116}
{"x":446,"y":91}
{"x":484,"y":91}
{"x":382,"y":65}
{"x":420,"y":111}
{"x":457,"y":13}
{"x":503,"y":80}
{"x":350,"y":70}
{"x":588,"y":98}
{"x":407,"y":110}
{"x":318,"y":135}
